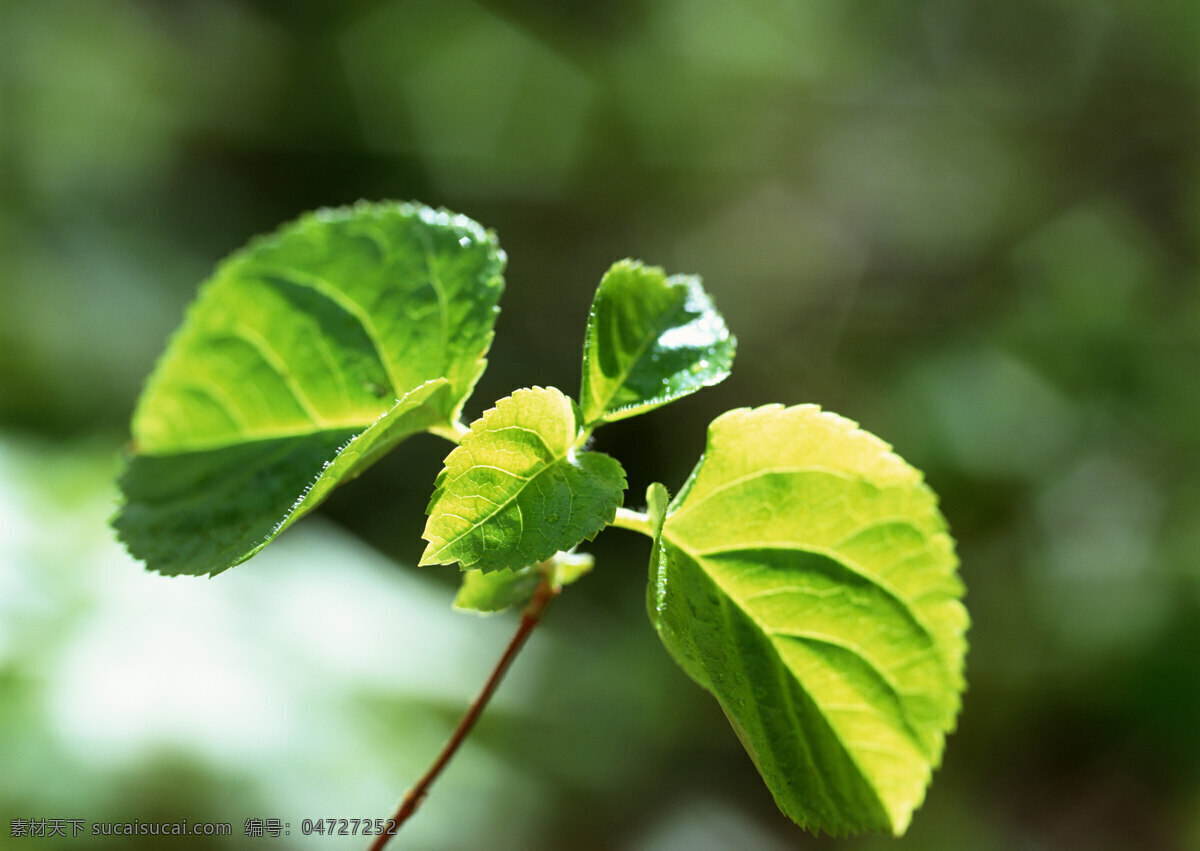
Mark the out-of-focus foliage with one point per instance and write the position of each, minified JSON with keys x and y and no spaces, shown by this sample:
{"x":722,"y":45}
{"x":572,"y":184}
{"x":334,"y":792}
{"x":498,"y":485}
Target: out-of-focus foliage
{"x":969,"y":226}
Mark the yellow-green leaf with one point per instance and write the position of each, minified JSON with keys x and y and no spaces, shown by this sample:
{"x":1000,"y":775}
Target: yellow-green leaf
{"x":804,"y":576}
{"x":516,"y":490}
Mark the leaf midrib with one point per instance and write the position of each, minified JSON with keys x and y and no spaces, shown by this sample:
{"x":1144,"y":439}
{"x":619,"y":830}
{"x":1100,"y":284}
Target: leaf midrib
{"x":784,"y":676}
{"x":526,"y":481}
{"x":337,"y":296}
{"x":695,"y":502}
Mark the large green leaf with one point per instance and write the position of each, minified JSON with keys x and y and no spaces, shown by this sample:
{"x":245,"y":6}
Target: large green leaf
{"x":516,"y":490}
{"x":304,"y":358}
{"x":650,"y":340}
{"x":804,"y":576}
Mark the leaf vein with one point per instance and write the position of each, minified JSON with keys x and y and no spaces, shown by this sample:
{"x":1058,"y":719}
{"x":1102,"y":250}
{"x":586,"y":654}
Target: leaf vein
{"x":224,"y":403}
{"x":323,"y":286}
{"x":906,"y":724}
{"x":272,"y":358}
{"x":656,"y":332}
{"x":695,"y":502}
{"x":485,"y":517}
{"x":840,"y":558}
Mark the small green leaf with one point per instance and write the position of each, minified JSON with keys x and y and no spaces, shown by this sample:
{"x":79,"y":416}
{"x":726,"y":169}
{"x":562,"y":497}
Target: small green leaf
{"x":516,"y":490}
{"x":498,"y":590}
{"x":503,"y":589}
{"x":804,"y":576}
{"x":650,"y":340}
{"x":304,"y":358}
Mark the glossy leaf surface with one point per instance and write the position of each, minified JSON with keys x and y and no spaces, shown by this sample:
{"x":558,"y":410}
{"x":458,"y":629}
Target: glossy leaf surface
{"x":805,"y":578}
{"x":515,"y":490}
{"x":305,"y":357}
{"x":650,"y":340}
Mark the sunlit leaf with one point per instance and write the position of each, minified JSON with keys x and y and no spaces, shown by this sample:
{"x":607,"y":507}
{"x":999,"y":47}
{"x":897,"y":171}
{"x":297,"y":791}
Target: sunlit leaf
{"x":304,"y":358}
{"x":650,"y":340}
{"x":503,"y":589}
{"x":516,"y":490}
{"x":804,"y":576}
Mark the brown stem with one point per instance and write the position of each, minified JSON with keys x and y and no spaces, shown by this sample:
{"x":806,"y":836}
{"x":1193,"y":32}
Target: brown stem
{"x":530,"y":618}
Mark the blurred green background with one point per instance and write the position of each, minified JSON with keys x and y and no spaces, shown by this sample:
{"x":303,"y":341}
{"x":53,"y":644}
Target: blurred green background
{"x":971,"y":226}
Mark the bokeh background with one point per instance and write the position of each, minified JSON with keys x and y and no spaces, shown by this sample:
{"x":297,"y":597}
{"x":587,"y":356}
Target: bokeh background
{"x":971,"y":226}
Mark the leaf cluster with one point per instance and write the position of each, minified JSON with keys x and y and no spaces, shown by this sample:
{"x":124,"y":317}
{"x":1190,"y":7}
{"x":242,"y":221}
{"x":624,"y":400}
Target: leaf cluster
{"x":802,"y":574}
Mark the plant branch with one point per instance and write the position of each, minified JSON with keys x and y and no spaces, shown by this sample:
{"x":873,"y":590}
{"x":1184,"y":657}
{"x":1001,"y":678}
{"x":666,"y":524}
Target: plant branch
{"x":530,"y":618}
{"x":584,"y":436}
{"x":635,"y":521}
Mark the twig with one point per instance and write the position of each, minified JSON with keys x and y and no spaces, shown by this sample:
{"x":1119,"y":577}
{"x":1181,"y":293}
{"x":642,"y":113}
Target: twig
{"x":634,"y":521}
{"x":530,"y":618}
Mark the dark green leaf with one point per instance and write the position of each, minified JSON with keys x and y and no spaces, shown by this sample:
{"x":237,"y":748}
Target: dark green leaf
{"x":650,"y":340}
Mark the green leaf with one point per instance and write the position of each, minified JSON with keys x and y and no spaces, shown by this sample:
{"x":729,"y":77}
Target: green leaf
{"x":516,"y":490}
{"x":503,"y":589}
{"x":804,"y":576}
{"x":305,"y":357}
{"x":499,"y":590}
{"x":650,"y":340}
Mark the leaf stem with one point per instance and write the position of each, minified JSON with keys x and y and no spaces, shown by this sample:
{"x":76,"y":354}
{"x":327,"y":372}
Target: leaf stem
{"x":530,"y":618}
{"x":453,"y":432}
{"x":634,"y":521}
{"x":585,"y":435}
